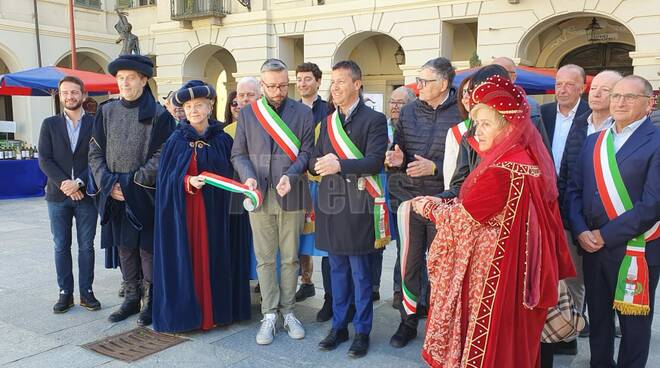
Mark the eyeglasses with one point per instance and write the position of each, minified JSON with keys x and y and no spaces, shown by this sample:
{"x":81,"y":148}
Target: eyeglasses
{"x":275,"y":87}
{"x":627,"y":97}
{"x":234,"y":104}
{"x":421,"y":82}
{"x":397,"y":103}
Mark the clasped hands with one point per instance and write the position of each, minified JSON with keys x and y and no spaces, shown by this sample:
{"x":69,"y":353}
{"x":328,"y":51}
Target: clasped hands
{"x":71,"y":189}
{"x":419,"y":167}
{"x":591,"y":241}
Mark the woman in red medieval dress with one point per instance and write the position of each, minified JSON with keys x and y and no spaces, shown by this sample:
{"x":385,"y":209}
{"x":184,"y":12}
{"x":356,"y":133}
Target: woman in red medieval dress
{"x":500,"y":249}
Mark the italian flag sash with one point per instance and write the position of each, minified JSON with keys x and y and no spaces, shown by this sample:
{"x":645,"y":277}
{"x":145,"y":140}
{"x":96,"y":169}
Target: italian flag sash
{"x":276,"y":128}
{"x":460,"y":129}
{"x":254,"y":198}
{"x":403,"y":223}
{"x":347,"y":150}
{"x":631,"y":296}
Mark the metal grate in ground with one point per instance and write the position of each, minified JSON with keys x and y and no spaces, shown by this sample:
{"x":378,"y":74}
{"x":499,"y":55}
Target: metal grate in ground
{"x":134,"y":344}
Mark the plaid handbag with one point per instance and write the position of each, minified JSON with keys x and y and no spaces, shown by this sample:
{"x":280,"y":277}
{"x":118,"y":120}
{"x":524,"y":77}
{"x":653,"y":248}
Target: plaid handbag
{"x":563,"y":322}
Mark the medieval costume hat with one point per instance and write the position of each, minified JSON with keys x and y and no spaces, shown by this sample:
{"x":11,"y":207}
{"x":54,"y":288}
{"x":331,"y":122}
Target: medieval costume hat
{"x":503,"y":96}
{"x":139,"y":63}
{"x":191,"y":90}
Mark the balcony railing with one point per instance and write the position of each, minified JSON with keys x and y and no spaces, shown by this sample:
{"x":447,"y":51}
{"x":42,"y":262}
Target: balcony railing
{"x":196,"y":9}
{"x":127,"y":4}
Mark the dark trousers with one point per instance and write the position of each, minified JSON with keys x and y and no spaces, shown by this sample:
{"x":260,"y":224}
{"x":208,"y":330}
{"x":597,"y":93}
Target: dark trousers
{"x":422,"y":232}
{"x":325,"y":273}
{"x":600,"y":281}
{"x":61,"y":220}
{"x":376,"y":262}
{"x":351,"y":281}
{"x":136,"y":263}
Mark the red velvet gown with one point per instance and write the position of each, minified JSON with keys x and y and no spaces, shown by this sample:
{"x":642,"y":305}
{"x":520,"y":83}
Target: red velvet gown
{"x":199,"y":245}
{"x":493,"y":269}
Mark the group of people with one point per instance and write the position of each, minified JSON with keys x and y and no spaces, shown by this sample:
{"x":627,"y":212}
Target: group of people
{"x":491,"y":199}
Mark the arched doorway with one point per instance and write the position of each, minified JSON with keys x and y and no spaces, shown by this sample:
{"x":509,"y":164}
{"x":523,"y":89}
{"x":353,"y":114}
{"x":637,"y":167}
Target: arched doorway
{"x":6,"y":107}
{"x":374,"y":52}
{"x":600,"y":56}
{"x":90,"y":61}
{"x":561,"y":39}
{"x":216,"y":66}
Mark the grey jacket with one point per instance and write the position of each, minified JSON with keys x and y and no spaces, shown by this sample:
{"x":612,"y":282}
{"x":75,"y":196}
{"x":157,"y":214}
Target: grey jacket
{"x":256,"y":155}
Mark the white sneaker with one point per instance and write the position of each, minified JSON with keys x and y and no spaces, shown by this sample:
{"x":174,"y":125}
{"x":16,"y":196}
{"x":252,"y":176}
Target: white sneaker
{"x":267,"y":329}
{"x":294,"y":327}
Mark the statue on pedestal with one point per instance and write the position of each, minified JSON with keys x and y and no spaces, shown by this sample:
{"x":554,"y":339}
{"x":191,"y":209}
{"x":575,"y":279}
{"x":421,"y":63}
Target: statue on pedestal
{"x":130,"y":42}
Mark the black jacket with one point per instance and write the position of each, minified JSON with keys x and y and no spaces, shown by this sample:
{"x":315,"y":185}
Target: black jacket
{"x":574,"y":143}
{"x":422,"y":130}
{"x":344,"y":214}
{"x":549,"y":116}
{"x":55,"y":157}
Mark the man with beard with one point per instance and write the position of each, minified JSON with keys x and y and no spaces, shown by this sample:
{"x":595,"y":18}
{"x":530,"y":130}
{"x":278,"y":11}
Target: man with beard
{"x":123,"y":159}
{"x":63,"y":149}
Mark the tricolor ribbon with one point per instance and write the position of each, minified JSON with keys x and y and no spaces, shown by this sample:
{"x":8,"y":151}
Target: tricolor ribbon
{"x":276,"y":128}
{"x":460,"y":129}
{"x":347,"y":150}
{"x":403,"y":223}
{"x":631,"y":296}
{"x":254,"y":197}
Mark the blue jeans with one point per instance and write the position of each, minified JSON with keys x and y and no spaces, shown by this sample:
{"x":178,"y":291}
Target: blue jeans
{"x":61,"y":220}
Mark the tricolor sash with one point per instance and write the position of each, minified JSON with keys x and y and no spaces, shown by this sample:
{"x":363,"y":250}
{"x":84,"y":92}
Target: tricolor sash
{"x":403,"y":223}
{"x":347,"y":150}
{"x":276,"y":128}
{"x":254,"y":197}
{"x":460,"y":129}
{"x":631,"y":296}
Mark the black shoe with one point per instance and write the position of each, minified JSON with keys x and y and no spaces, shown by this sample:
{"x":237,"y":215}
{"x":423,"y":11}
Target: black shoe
{"x":565,"y":348}
{"x":585,"y":330}
{"x":375,"y":296}
{"x":397,"y":300}
{"x":144,"y":319}
{"x":422,"y":311}
{"x":257,"y":289}
{"x":89,"y":301}
{"x":360,"y":346}
{"x":334,"y":338}
{"x":130,"y":306}
{"x":407,"y":331}
{"x":64,"y":303}
{"x":326,"y":311}
{"x":305,"y":291}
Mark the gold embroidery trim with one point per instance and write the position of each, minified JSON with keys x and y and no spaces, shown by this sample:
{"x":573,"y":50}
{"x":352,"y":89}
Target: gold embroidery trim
{"x":531,"y":170}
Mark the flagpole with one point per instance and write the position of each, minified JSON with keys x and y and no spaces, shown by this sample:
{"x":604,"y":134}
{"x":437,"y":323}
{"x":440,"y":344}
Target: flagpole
{"x":72,"y":37}
{"x":36,"y":29}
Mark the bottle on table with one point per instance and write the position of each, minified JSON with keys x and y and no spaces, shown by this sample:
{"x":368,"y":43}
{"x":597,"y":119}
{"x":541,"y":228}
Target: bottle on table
{"x":35,"y":153}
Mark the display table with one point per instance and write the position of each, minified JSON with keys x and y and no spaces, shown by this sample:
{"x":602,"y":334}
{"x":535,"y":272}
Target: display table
{"x":21,"y":178}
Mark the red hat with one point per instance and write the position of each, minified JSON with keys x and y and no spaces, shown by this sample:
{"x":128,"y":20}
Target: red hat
{"x":503,"y":96}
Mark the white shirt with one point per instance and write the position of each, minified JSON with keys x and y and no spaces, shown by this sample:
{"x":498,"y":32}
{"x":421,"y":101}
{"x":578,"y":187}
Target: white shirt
{"x":562,"y":127}
{"x":591,"y":129}
{"x":451,"y":156}
{"x":622,"y":137}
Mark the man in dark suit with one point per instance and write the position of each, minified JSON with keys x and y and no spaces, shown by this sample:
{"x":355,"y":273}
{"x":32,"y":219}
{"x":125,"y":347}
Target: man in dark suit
{"x":605,"y":231}
{"x":349,"y":157}
{"x":63,"y":149}
{"x":274,"y":139}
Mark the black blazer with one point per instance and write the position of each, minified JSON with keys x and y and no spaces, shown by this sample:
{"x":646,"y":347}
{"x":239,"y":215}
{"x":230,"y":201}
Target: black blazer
{"x":574,"y":143}
{"x":549,"y":116}
{"x":55,"y":157}
{"x":344,"y":213}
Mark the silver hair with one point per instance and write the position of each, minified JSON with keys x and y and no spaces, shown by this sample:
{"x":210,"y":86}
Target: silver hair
{"x":249,"y":80}
{"x":410,"y":95}
{"x":273,"y":65}
{"x":442,"y":68}
{"x":576,"y":68}
{"x":648,"y":88}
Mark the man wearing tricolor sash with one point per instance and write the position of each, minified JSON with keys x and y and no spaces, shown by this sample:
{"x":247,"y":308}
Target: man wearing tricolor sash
{"x":614,"y":197}
{"x":271,"y":150}
{"x":351,"y":213}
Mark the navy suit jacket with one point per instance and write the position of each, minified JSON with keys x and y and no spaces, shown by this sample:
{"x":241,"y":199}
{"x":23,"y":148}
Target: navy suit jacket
{"x":639,"y":164}
{"x":549,"y":116}
{"x":55,"y":157}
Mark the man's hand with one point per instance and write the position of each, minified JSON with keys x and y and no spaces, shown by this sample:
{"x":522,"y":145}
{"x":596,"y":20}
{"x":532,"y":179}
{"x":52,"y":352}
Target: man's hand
{"x":599,"y":238}
{"x":327,"y":165}
{"x":68,"y":187}
{"x":77,"y":196}
{"x":284,"y":186}
{"x":589,"y":242}
{"x":251,"y":183}
{"x":394,"y":158}
{"x":196,"y":181}
{"x":418,"y":205}
{"x":420,"y":167}
{"x":117,"y":193}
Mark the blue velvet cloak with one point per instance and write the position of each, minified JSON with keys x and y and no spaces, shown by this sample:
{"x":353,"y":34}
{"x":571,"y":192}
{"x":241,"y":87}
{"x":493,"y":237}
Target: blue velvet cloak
{"x":175,"y":305}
